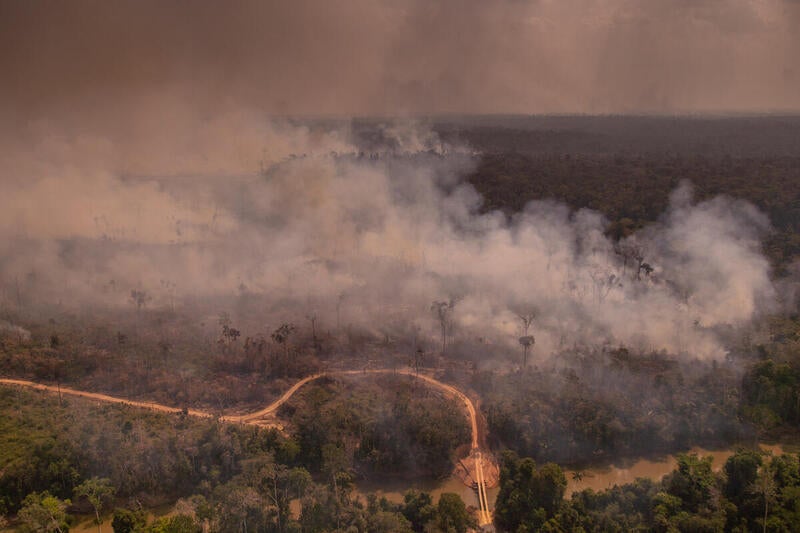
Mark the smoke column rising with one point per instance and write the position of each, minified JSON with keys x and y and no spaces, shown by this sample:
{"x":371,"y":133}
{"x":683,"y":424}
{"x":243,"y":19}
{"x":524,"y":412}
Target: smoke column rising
{"x":310,"y":219}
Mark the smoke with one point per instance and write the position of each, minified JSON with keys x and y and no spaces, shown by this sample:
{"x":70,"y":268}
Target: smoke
{"x":21,"y":333}
{"x":89,"y":59}
{"x":310,"y":219}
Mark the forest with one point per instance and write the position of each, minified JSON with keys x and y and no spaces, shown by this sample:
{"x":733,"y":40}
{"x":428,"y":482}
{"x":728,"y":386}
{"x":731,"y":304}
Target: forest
{"x":750,"y":492}
{"x":71,"y":457}
{"x":580,"y":392}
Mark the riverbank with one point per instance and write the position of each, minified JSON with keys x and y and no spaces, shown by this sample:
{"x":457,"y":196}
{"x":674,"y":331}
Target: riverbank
{"x":619,"y":473}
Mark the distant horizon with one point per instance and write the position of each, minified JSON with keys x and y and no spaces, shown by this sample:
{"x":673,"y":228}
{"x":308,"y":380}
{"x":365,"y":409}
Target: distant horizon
{"x":409,"y":58}
{"x":788,"y":113}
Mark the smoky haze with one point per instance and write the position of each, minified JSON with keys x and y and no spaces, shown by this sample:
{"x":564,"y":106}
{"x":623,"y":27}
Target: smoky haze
{"x":140,"y":149}
{"x":105,"y":59}
{"x":309,"y":220}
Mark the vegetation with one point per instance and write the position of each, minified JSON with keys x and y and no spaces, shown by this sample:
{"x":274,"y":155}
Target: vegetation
{"x":753,"y":492}
{"x":159,"y":355}
{"x":627,"y":167}
{"x":230,"y":477}
{"x":771,"y":384}
{"x":386,"y":425}
{"x":608,"y":403}
{"x":62,"y":456}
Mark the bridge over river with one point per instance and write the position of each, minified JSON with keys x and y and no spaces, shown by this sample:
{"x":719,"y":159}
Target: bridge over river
{"x":474,"y":467}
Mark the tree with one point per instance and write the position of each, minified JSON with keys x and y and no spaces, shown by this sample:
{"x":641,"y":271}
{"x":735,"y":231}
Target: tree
{"x":169,"y":287}
{"x":741,"y":470}
{"x":181,"y":523}
{"x":692,"y":482}
{"x":443,"y":310}
{"x":634,"y":253}
{"x":229,"y":333}
{"x":526,"y":340}
{"x":139,"y":298}
{"x":453,"y":515}
{"x":98,"y":491}
{"x":603,"y":283}
{"x":765,"y":487}
{"x":388,"y":522}
{"x":528,"y":495}
{"x":281,"y":335}
{"x":312,"y":318}
{"x":127,"y":521}
{"x":240,"y":508}
{"x":276,"y":484}
{"x":418,"y":509}
{"x":44,"y":512}
{"x":527,"y":320}
{"x":419,"y":359}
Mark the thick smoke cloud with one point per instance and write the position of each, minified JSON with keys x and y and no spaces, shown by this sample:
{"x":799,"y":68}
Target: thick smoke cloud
{"x":140,"y":149}
{"x":310,"y":221}
{"x":105,"y":58}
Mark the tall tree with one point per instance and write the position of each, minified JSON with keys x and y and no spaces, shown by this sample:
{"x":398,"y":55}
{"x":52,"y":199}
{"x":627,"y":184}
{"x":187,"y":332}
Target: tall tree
{"x":281,"y":335}
{"x":528,"y":495}
{"x":43,"y":512}
{"x":453,"y":514}
{"x":98,"y":492}
{"x":443,"y":311}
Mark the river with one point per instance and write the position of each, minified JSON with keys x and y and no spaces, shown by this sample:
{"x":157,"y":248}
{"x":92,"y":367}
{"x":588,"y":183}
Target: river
{"x":392,"y":489}
{"x":604,"y":477}
{"x":596,"y":478}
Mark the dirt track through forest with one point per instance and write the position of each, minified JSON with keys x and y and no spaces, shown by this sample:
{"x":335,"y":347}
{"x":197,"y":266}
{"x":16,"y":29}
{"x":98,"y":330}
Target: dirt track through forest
{"x":256,"y":418}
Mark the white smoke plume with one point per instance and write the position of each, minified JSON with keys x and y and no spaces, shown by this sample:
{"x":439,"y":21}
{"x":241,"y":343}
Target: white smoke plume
{"x":308,"y":220}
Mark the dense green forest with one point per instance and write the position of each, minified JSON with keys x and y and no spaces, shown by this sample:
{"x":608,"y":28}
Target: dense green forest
{"x":751,"y":492}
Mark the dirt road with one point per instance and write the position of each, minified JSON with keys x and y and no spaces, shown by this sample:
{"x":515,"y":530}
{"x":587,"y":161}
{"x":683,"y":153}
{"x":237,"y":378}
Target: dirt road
{"x":256,"y":418}
{"x":103,"y":397}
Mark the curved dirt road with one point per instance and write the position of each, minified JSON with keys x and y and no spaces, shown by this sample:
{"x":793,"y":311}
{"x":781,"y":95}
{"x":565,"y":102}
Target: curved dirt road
{"x":103,"y":397}
{"x":270,"y":409}
{"x":254,"y":418}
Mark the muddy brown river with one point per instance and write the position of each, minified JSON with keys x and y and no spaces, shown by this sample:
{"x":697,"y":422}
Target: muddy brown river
{"x":600,"y":478}
{"x":596,"y":478}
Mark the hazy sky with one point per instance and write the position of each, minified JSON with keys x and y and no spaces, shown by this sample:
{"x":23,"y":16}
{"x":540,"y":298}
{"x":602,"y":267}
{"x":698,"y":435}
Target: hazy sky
{"x":400,"y":57}
{"x":132,"y":134}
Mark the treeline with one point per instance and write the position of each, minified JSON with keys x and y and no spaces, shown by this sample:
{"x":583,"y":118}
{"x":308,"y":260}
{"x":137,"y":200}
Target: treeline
{"x":764,"y":136}
{"x":633,"y":190}
{"x":227,"y":475}
{"x":626,"y":167}
{"x":753,"y":492}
